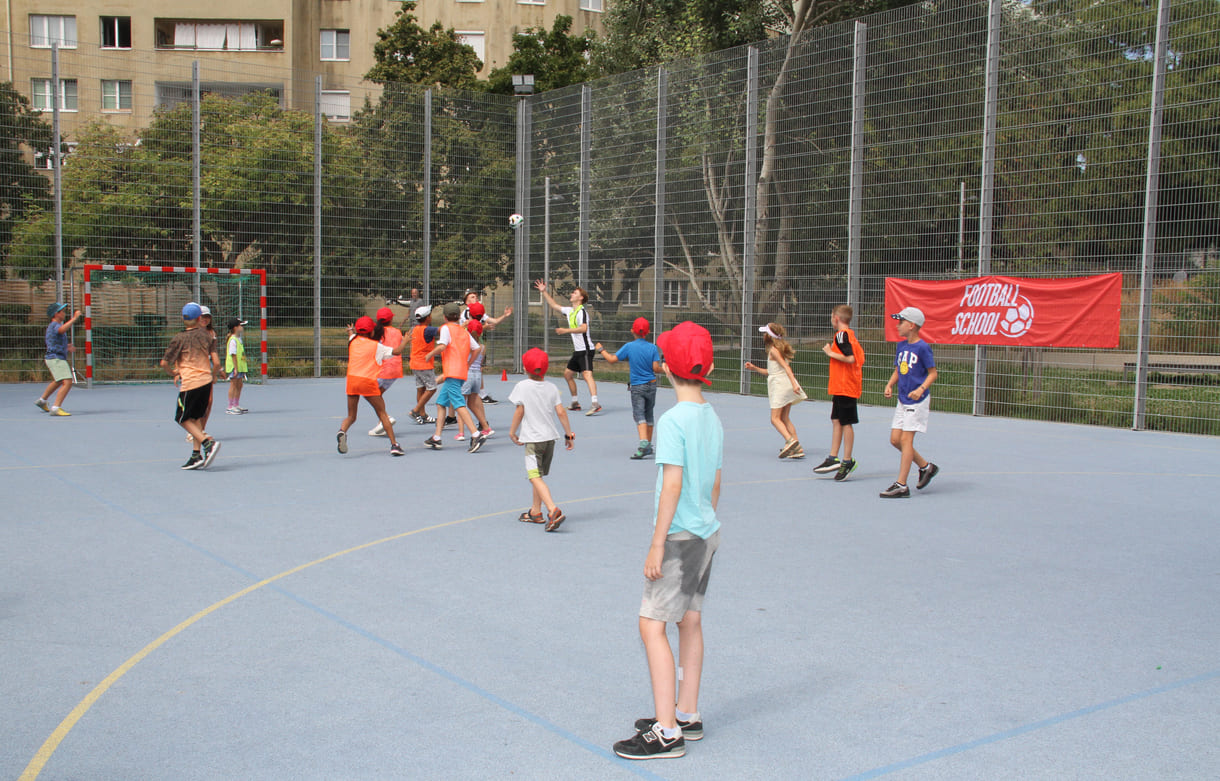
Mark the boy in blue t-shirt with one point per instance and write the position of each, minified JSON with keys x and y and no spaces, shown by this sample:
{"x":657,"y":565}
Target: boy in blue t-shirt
{"x":690,"y":453}
{"x":58,"y":348}
{"x":644,"y":359}
{"x":914,"y":373}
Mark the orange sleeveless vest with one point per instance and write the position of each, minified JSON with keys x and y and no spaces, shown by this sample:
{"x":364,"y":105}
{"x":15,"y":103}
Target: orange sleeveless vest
{"x":455,"y":360}
{"x":847,"y":379}
{"x":362,"y":367}
{"x":391,"y":368}
{"x":419,"y":349}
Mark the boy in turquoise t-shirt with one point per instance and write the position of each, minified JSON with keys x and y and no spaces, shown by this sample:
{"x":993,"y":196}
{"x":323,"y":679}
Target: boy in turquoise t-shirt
{"x":690,"y":453}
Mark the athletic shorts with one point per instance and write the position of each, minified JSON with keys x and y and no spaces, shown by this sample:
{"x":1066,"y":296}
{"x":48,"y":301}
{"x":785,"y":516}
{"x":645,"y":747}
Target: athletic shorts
{"x":473,"y":383}
{"x":844,"y":410}
{"x":425,"y":378}
{"x":581,"y":361}
{"x":538,"y":457}
{"x":451,"y":394}
{"x":236,"y":375}
{"x":683,"y":582}
{"x":643,"y":400}
{"x":60,"y":370}
{"x":912,"y":417}
{"x":385,"y":382}
{"x":193,"y":404}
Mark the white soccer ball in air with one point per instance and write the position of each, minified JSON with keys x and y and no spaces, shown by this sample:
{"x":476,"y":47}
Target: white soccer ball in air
{"x":516,"y":220}
{"x":1017,"y":320}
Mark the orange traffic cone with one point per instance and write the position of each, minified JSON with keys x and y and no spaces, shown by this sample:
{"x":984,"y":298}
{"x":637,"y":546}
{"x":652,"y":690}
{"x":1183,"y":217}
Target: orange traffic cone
{"x":504,"y":375}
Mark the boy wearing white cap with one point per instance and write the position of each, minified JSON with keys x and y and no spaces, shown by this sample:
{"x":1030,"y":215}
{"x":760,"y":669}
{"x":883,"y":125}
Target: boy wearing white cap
{"x":914,"y":373}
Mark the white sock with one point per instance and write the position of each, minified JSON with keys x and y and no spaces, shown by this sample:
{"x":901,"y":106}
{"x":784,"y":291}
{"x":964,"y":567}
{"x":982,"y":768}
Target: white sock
{"x":686,"y":716}
{"x":575,"y":398}
{"x":670,"y":734}
{"x":54,"y":407}
{"x":594,"y":399}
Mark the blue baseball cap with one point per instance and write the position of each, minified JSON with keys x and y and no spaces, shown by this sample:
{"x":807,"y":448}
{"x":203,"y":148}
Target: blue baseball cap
{"x":56,"y":308}
{"x":191,"y":311}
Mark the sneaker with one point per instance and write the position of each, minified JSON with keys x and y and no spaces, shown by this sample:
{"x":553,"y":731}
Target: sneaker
{"x":396,"y":450}
{"x":450,"y":421}
{"x":554,"y":518}
{"x":896,"y":491}
{"x":596,"y":408}
{"x":341,"y":437}
{"x":691,"y":730}
{"x":476,"y":442}
{"x":639,"y":453}
{"x":459,"y":437}
{"x":651,"y":744}
{"x":194,"y":462}
{"x":60,"y":412}
{"x":487,"y":399}
{"x":42,"y":405}
{"x":241,"y":410}
{"x":487,"y":432}
{"x":845,"y":469}
{"x":826,"y":467}
{"x":649,"y":450}
{"x":788,"y":447}
{"x":574,"y":406}
{"x":209,"y":448}
{"x":434,"y":442}
{"x":926,"y":474}
{"x":233,"y":411}
{"x":377,"y":431}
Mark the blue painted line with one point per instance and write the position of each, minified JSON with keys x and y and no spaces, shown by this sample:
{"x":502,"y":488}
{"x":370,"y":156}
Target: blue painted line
{"x":432,"y":667}
{"x":1037,"y":725}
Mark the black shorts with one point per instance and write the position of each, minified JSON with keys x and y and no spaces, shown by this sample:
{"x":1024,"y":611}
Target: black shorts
{"x":581,"y":361}
{"x":843,"y":409}
{"x":193,"y":404}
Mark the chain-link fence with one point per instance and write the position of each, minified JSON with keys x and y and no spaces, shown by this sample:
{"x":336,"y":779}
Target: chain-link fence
{"x":938,"y":141}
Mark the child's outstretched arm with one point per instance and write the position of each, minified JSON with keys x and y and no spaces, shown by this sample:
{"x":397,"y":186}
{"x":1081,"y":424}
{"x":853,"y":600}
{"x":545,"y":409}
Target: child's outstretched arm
{"x":754,"y":368}
{"x":667,"y":505}
{"x":610,"y":357}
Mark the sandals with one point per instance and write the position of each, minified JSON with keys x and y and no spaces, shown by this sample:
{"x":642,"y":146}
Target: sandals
{"x":528,"y":517}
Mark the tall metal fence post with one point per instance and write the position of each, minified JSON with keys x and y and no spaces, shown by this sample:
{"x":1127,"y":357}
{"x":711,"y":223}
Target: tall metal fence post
{"x":57,"y":174}
{"x":1151,"y":188}
{"x":855,"y":206}
{"x":658,"y":225}
{"x":317,"y":226}
{"x":750,"y":216}
{"x":995,"y":19}
{"x":427,"y":196}
{"x":586,"y":145}
{"x":546,"y":251}
{"x":196,"y":222}
{"x":521,"y":249}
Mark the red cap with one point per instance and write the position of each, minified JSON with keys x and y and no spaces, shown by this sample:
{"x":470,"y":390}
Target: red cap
{"x":474,"y":327}
{"x":385,"y":315}
{"x":365,"y":325}
{"x":687,"y":348}
{"x":640,"y":327}
{"x":535,"y":362}
{"x":477,"y":310}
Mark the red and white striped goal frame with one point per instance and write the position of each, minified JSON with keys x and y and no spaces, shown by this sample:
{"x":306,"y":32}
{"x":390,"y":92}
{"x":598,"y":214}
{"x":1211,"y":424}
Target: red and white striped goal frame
{"x":262,"y":303}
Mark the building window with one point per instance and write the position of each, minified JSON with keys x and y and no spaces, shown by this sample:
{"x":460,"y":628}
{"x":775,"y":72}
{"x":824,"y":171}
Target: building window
{"x":631,"y":292}
{"x":591,"y":5}
{"x":116,"y":32}
{"x":46,"y":30}
{"x":116,"y":95}
{"x":41,"y":90}
{"x":220,"y":35}
{"x":675,"y":293}
{"x":476,"y":40}
{"x":337,"y":105}
{"x":336,"y":45}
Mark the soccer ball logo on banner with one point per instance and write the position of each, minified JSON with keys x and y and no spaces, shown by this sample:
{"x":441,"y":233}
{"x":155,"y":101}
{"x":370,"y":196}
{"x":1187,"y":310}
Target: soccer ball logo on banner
{"x":1017,"y":320}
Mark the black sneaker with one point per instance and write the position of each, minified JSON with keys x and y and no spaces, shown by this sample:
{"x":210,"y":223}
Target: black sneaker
{"x":476,"y":442}
{"x":341,"y":437}
{"x":845,"y":469}
{"x":926,"y":474}
{"x":651,"y":744}
{"x":896,"y":491}
{"x":434,"y":442}
{"x":450,"y":421}
{"x":489,"y":400}
{"x":826,"y":467}
{"x":194,"y":462}
{"x":639,"y":453}
{"x":691,"y":730}
{"x":396,"y":450}
{"x":209,"y":448}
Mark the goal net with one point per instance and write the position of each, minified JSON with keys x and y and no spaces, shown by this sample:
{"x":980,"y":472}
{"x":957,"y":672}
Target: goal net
{"x":131,"y":313}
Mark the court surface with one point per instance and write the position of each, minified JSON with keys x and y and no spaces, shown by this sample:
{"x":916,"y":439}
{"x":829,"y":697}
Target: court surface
{"x":1047,"y":609}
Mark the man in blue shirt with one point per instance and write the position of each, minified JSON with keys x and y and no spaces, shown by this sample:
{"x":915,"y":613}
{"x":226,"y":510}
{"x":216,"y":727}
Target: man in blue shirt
{"x":644,"y":359}
{"x":914,"y":373}
{"x":58,"y":347}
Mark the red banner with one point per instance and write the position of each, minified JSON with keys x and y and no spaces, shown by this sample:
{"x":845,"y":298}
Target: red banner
{"x":1072,"y":312}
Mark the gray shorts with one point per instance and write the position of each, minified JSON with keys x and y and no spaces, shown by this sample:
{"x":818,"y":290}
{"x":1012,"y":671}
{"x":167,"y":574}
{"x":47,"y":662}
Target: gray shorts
{"x":538,"y":457}
{"x":425,"y":378}
{"x":683,"y":582}
{"x":385,"y":382}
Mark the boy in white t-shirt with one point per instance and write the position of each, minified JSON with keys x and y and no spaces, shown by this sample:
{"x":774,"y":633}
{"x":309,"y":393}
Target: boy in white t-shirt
{"x":534,"y":426}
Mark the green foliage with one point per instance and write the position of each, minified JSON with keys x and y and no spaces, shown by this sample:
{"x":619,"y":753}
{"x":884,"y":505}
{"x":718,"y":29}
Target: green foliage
{"x":555,"y":58}
{"x":23,"y":190}
{"x":408,"y":54}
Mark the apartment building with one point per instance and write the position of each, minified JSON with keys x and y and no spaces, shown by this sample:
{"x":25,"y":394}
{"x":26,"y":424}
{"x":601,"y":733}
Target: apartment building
{"x":120,"y":59}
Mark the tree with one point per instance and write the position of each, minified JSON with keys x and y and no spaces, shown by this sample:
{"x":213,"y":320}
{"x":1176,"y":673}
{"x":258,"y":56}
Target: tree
{"x":408,"y":54}
{"x":23,"y":190}
{"x":555,"y":58}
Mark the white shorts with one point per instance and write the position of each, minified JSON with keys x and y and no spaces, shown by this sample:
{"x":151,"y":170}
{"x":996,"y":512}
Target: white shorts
{"x":912,"y":417}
